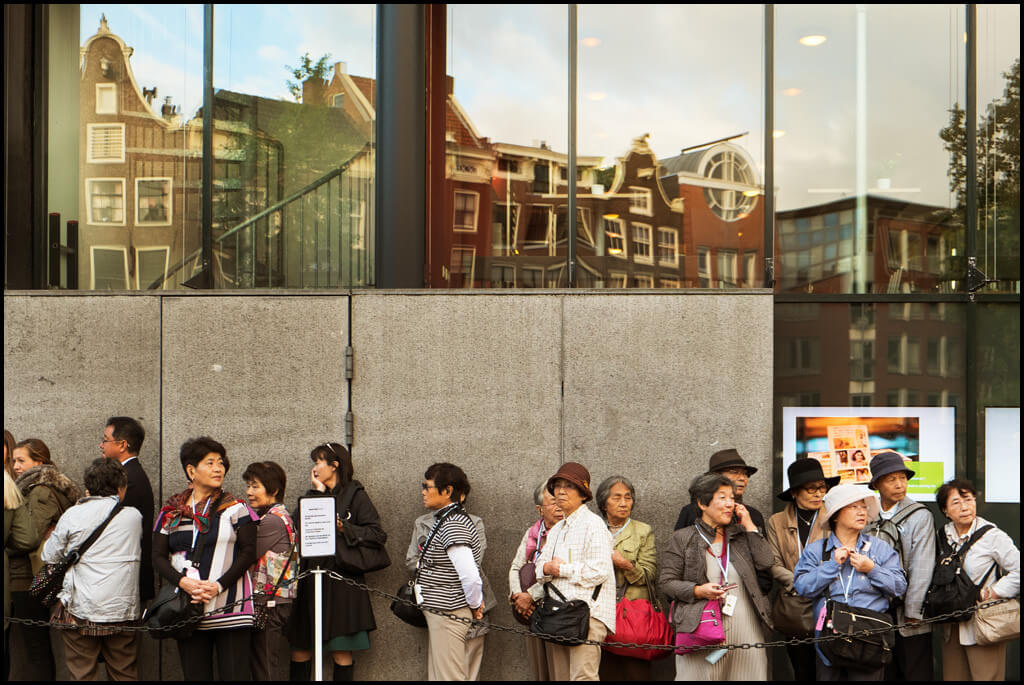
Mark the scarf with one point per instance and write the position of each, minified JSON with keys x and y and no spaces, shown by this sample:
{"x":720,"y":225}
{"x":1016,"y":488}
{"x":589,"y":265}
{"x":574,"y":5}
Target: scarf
{"x":177,"y":509}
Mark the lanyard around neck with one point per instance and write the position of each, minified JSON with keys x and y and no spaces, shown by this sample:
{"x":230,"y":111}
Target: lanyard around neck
{"x":619,"y":531}
{"x":725,"y":555}
{"x":195,"y":524}
{"x":800,"y":545}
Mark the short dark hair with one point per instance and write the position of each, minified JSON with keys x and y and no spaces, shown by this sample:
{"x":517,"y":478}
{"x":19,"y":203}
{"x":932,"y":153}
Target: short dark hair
{"x":337,"y":454}
{"x":957,"y":485}
{"x":605,"y":489}
{"x":104,"y":477}
{"x":128,"y":429}
{"x":444,"y":475}
{"x":270,"y":474}
{"x":37,"y":449}
{"x":195,"y":450}
{"x":704,"y":487}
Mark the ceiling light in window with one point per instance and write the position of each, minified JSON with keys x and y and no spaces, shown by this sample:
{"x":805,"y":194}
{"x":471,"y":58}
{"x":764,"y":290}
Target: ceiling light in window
{"x":596,"y":96}
{"x":610,"y":216}
{"x":591,"y":42}
{"x":777,"y":133}
{"x":751,"y":193}
{"x":812,"y":41}
{"x":792,"y":91}
{"x":614,"y":250}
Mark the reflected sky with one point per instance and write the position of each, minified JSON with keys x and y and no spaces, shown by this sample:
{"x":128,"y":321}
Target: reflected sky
{"x":686,"y":75}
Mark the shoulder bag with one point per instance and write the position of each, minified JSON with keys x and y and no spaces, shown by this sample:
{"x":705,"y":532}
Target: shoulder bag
{"x":997,"y":623}
{"x":260,"y":611}
{"x":406,"y":606}
{"x":710,"y":630}
{"x":951,"y":588}
{"x":47,"y":584}
{"x":171,"y":606}
{"x":852,"y":650}
{"x":640,"y":621}
{"x":364,"y":556}
{"x":559,"y":620}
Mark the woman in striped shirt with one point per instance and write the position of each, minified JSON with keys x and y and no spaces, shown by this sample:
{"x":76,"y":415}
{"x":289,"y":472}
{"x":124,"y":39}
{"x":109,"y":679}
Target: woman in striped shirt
{"x":205,"y":542}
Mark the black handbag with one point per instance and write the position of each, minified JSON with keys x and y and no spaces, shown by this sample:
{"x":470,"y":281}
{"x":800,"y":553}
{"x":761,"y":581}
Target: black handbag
{"x":405,"y":607}
{"x":567,"y":620}
{"x":856,"y":652}
{"x":951,"y":588}
{"x":361,"y":557}
{"x":47,"y":584}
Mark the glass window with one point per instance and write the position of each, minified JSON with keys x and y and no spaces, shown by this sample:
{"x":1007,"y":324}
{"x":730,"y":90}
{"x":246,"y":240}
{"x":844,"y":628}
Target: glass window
{"x":109,"y":268}
{"x":465,"y":211}
{"x":642,"y":242}
{"x":153,"y":201}
{"x":726,"y":269}
{"x":106,"y":201}
{"x":151,"y":266}
{"x":106,"y":98}
{"x":668,"y":246}
{"x":870,"y":89}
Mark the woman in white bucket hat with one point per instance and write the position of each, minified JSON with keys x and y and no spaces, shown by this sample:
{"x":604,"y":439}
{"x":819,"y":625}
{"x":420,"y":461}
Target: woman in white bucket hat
{"x":859,"y":569}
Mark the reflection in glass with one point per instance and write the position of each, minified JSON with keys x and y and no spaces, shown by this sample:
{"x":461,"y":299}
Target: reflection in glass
{"x":861,"y":166}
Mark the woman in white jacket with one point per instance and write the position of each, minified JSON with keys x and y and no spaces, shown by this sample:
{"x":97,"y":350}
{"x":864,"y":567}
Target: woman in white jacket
{"x":100,"y":594}
{"x":962,"y":657}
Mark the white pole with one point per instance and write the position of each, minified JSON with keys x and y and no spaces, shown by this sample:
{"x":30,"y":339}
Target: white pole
{"x":318,"y":624}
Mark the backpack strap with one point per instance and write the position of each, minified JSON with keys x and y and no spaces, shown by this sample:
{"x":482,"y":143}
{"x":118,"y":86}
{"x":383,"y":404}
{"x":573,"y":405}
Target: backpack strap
{"x":907,"y":513}
{"x":962,"y":551}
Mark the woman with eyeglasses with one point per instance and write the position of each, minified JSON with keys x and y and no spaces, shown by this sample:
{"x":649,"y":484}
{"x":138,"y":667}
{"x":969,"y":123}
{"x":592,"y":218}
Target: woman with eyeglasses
{"x":992,"y":561}
{"x":800,"y":523}
{"x":347,"y":614}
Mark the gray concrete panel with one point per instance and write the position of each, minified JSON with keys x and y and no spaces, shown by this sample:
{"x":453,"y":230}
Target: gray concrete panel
{"x":70,"y":362}
{"x":470,"y":379}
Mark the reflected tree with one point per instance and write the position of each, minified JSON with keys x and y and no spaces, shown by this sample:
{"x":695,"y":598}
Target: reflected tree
{"x":307,"y":68}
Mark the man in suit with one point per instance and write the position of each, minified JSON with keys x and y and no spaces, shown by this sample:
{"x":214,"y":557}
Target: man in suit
{"x":122,"y":440}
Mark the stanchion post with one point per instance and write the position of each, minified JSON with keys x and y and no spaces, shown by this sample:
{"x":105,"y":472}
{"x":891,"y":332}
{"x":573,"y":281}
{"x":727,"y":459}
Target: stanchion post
{"x":318,"y":624}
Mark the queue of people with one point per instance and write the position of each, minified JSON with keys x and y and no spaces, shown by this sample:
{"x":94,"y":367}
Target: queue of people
{"x":873,"y":549}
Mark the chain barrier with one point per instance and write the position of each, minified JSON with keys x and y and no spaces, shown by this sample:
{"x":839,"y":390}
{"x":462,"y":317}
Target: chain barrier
{"x":521,"y":631}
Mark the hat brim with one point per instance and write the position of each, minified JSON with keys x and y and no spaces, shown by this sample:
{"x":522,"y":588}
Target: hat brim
{"x":787,"y":495}
{"x":851,"y":495}
{"x":751,"y":470}
{"x":874,"y":478}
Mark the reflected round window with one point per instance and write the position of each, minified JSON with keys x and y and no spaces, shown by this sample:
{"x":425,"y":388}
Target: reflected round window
{"x":730,"y":168}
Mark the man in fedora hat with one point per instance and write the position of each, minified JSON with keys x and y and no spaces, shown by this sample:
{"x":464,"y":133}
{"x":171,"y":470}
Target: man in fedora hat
{"x":730,"y":464}
{"x":909,"y":528}
{"x":578,"y":561}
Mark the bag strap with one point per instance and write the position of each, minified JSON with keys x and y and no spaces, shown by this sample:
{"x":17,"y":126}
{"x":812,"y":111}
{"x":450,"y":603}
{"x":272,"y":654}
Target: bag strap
{"x":430,"y":539}
{"x":76,"y":554}
{"x":906,"y":513}
{"x":348,"y":495}
{"x":284,"y":571}
{"x":962,"y":552}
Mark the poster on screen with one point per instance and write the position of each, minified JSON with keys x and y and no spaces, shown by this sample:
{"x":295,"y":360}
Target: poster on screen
{"x":844,"y":439}
{"x":1002,"y":454}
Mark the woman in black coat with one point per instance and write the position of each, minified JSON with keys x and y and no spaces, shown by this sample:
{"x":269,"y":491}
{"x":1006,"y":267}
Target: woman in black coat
{"x":347,"y":614}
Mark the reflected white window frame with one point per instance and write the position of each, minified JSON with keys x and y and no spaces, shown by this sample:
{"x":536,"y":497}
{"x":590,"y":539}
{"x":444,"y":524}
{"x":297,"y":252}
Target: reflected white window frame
{"x":357,"y":218}
{"x":617,"y":234}
{"x":549,"y":235}
{"x":537,"y":276}
{"x":91,"y":133}
{"x":92,"y":263}
{"x":106,"y":92}
{"x":727,"y":266}
{"x":462,"y":228}
{"x":643,"y":280}
{"x":89,"y":195}
{"x":509,"y":210}
{"x":671,"y":245}
{"x":462,"y":251}
{"x":338,"y":101}
{"x":637,"y":231}
{"x":670,"y":283}
{"x":704,"y":266}
{"x":139,"y":285}
{"x":750,"y":267}
{"x":617,"y":279}
{"x":640,"y":201}
{"x":583,"y":231}
{"x":169,"y":206}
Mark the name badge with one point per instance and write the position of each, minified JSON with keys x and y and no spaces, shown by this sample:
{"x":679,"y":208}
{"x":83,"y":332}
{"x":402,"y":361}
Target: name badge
{"x":730,"y":605}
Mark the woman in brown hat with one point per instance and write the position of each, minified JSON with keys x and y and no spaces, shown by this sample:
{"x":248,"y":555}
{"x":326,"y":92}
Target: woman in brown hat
{"x":789,"y":532}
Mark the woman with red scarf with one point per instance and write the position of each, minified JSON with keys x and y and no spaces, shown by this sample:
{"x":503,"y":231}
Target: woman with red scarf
{"x":204,"y":542}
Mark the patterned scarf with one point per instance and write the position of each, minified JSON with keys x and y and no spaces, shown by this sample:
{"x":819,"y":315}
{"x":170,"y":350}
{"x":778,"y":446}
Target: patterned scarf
{"x":177,"y":509}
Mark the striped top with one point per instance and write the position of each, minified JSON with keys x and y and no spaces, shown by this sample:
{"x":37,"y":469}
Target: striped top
{"x":438,"y":579}
{"x":216,"y":558}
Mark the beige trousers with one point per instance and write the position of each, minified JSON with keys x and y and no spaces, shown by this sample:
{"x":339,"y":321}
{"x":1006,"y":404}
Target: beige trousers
{"x":538,"y":652}
{"x":450,"y":656}
{"x":82,"y":652}
{"x":580,"y":662}
{"x":973,"y":662}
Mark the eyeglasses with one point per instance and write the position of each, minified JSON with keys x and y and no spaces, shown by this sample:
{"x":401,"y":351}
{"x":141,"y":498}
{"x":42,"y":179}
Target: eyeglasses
{"x":106,"y":439}
{"x":813,"y":489}
{"x":963,"y":502}
{"x":425,"y":486}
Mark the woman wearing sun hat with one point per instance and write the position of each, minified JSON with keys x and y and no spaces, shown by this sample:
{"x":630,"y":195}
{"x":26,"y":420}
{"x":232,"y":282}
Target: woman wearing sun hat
{"x":860,"y":570}
{"x":802,"y":522}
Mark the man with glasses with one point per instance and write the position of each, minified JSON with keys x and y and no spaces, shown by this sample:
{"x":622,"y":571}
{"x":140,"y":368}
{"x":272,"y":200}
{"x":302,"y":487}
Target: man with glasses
{"x":122,"y":440}
{"x":730,"y":464}
{"x":909,"y":528}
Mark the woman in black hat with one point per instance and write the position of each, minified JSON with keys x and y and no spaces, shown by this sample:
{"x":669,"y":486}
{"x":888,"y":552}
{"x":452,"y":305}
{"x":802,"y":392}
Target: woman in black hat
{"x":801,"y":522}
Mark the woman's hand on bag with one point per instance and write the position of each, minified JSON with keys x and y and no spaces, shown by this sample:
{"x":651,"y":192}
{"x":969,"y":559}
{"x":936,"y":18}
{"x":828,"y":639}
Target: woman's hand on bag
{"x":621,"y":562}
{"x":195,"y":588}
{"x":552,"y":567}
{"x":708,"y":591}
{"x":861,"y":562}
{"x":988,"y":593}
{"x":523,"y":604}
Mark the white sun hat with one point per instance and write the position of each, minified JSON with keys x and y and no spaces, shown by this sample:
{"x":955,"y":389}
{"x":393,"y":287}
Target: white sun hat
{"x":848,"y":493}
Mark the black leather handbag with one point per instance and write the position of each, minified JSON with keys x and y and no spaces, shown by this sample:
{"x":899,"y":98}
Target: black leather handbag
{"x":405,"y":607}
{"x":172,"y":606}
{"x":568,"y":622}
{"x":851,"y":651}
{"x":358,"y":557}
{"x":47,"y":584}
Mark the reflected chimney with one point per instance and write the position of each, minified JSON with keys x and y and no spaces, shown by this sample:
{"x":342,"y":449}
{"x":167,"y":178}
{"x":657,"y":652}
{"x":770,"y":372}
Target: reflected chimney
{"x":314,"y":91}
{"x":149,"y":94}
{"x":339,"y":69}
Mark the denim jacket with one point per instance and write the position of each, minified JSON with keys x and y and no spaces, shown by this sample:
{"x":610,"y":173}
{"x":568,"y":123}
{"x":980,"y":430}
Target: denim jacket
{"x":816,"y":579}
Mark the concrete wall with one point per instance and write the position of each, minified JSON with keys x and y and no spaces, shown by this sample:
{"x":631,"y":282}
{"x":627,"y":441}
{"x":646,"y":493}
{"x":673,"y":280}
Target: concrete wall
{"x":507,"y":384}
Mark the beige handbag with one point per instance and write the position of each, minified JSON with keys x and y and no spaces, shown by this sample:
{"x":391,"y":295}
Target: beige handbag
{"x":997,"y":623}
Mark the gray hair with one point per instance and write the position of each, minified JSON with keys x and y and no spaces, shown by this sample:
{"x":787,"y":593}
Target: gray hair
{"x":605,"y":488}
{"x":538,"y":494}
{"x":704,"y":487}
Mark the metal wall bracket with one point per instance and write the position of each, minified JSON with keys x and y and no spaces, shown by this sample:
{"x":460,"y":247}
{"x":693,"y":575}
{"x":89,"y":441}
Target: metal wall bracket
{"x":350,"y":362}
